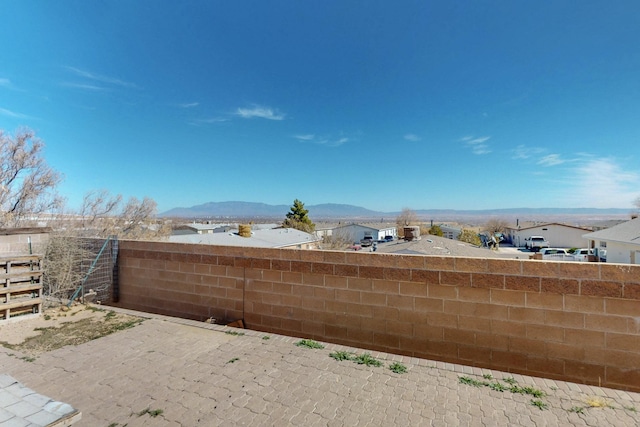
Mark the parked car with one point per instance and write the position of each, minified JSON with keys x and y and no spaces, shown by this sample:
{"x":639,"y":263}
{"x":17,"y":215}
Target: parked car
{"x":582,"y":255}
{"x":388,"y":238}
{"x":535,"y":243}
{"x":557,"y":254}
{"x":367,"y":241}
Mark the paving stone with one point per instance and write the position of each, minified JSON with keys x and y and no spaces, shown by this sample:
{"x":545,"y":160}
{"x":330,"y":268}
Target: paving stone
{"x":181,"y":367}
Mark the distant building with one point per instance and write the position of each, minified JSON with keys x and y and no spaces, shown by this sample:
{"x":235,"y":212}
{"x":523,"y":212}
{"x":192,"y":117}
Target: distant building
{"x":450,"y":232}
{"x":326,"y":229}
{"x":558,"y":235}
{"x":282,"y":238}
{"x":621,"y":242}
{"x":357,"y":232}
{"x":198,"y":228}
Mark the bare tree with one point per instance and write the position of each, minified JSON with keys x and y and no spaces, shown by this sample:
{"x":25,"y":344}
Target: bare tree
{"x":103,"y":214}
{"x":27,"y":183}
{"x":496,"y":225}
{"x":63,"y":259}
{"x":406,"y":218}
{"x":340,"y":239}
{"x":97,"y":206}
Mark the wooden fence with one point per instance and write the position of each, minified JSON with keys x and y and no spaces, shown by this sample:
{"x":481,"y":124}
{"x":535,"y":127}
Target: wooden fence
{"x":21,"y":286}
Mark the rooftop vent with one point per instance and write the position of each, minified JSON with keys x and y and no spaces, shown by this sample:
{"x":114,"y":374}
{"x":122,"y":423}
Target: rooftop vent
{"x":412,"y":233}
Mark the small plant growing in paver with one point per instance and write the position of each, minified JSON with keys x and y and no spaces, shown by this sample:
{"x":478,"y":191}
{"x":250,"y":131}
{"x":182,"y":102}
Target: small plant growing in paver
{"x":155,"y":413}
{"x":527,"y":390}
{"x":92,"y":308}
{"x":235,"y":359}
{"x":110,"y":315}
{"x":512,"y":387}
{"x":234,"y":333}
{"x":539,"y":404}
{"x":28,"y":359}
{"x":367,"y":359}
{"x":534,"y":392}
{"x":341,"y":355}
{"x":471,"y":381}
{"x":310,"y":344}
{"x":630,"y":408}
{"x":47,"y":317}
{"x":398,"y":368}
{"x":487,"y":376}
{"x":577,"y":409}
{"x":152,"y":413}
{"x":510,"y":380}
{"x":266,"y":337}
{"x":497,"y":386}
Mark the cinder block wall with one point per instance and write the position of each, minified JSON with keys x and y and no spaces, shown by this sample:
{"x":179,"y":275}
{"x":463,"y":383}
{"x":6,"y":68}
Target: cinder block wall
{"x":570,"y":321}
{"x":15,"y":241}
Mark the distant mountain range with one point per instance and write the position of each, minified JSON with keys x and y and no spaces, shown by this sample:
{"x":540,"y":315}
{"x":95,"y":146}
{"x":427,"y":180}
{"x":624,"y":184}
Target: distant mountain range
{"x":333,"y":210}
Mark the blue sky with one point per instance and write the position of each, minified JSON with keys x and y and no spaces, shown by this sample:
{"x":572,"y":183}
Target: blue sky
{"x":380,"y":104}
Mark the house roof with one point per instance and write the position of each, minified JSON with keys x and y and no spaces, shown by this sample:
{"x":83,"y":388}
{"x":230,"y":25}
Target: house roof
{"x":199,"y":227}
{"x":271,"y":238}
{"x":627,"y":232}
{"x":441,"y":246}
{"x":605,"y":223}
{"x":547,"y":224}
{"x":373,"y":226}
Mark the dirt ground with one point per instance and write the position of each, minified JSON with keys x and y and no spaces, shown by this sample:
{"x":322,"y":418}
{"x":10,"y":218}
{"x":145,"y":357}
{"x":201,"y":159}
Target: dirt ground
{"x":60,"y":326}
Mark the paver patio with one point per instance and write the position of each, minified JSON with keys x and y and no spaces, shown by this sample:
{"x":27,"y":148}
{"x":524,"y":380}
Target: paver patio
{"x":176,"y":372}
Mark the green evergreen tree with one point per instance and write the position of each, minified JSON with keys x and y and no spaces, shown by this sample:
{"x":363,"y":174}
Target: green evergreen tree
{"x":298,"y":218}
{"x":435,"y":230}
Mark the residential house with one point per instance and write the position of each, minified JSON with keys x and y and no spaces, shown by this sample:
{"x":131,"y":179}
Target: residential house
{"x":450,"y":232}
{"x":198,"y":228}
{"x":357,"y":232}
{"x":558,"y":235}
{"x":621,"y":242}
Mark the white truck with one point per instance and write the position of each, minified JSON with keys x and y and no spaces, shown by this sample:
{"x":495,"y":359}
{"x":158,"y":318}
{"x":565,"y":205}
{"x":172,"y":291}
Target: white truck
{"x":535,"y":243}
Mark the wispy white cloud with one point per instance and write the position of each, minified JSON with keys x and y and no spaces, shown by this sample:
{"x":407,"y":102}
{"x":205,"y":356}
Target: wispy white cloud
{"x":412,"y":137}
{"x":522,"y":152}
{"x":101,"y":78}
{"x":340,"y":141}
{"x":188,"y":105}
{"x":322,"y":140}
{"x":477,"y":145}
{"x":476,"y":141}
{"x":208,"y":121}
{"x":13,"y":114}
{"x":5,"y":82}
{"x":85,"y":86}
{"x":601,"y":183}
{"x":260,"y":112}
{"x":481,"y":149}
{"x":551,"y":160}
